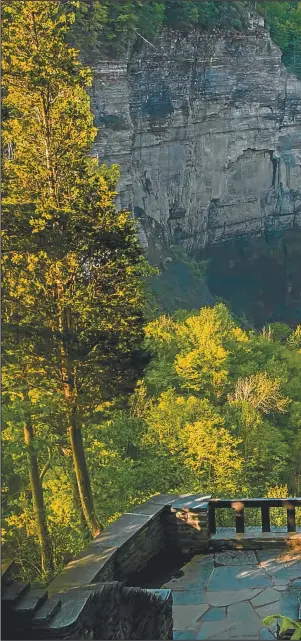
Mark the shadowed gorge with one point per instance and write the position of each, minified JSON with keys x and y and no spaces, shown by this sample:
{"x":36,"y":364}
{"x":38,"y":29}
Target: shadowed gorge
{"x":259,"y":276}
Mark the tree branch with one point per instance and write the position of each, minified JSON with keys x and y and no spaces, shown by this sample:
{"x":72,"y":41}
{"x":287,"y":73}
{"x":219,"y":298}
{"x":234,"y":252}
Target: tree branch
{"x":46,"y":466}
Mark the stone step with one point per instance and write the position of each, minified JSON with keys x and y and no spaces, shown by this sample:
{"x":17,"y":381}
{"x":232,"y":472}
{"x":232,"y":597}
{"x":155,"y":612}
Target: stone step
{"x":68,"y":617}
{"x":48,"y":610}
{"x":13,"y":593}
{"x":28,"y":605}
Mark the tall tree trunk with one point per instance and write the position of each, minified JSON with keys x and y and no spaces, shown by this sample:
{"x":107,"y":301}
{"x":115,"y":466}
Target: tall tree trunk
{"x":78,"y":508}
{"x":82,"y":475}
{"x":77,"y":502}
{"x":38,"y":501}
{"x":74,"y":430}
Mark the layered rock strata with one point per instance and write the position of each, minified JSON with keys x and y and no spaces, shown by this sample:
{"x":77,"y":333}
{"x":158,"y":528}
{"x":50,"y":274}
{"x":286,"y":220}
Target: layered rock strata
{"x":206,"y":129}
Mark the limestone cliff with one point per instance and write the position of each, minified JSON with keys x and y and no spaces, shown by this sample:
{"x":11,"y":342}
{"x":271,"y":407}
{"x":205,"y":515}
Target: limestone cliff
{"x":207,"y":131}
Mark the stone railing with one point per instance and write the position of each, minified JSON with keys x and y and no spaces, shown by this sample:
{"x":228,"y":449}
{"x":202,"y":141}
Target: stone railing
{"x":127,"y":546}
{"x":93,"y":598}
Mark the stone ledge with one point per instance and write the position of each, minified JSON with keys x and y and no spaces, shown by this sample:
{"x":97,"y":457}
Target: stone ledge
{"x":162,"y":593}
{"x":122,"y":530}
{"x":165,"y":499}
{"x":85,"y":568}
{"x":104,"y":557}
{"x":130,"y":542}
{"x":149,"y":508}
{"x":191,"y":502}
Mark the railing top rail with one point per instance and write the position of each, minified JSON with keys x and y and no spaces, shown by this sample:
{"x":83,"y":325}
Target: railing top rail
{"x":270,"y":502}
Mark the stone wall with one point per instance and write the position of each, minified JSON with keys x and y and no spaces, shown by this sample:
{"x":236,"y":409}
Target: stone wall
{"x":128,"y":545}
{"x":91,"y":597}
{"x":207,"y":131}
{"x":188,"y":526}
{"x":125,"y":547}
{"x":136,"y":553}
{"x":97,"y":611}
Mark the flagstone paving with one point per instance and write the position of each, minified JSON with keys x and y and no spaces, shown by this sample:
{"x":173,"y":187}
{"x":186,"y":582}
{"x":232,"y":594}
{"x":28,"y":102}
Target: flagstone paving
{"x":227,"y":594}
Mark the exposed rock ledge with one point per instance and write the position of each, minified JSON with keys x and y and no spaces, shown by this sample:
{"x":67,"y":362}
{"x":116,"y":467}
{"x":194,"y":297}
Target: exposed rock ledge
{"x":207,"y":131}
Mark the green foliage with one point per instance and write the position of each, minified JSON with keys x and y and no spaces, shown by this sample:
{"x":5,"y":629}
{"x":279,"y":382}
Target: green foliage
{"x":43,"y":405}
{"x":218,"y":408}
{"x":112,"y":25}
{"x":61,"y":230}
{"x":285,"y":625}
{"x":294,"y":339}
{"x":218,"y":411}
{"x":243,"y":375}
{"x":73,"y":293}
{"x":179,"y":284}
{"x":223,"y":15}
{"x":150,"y":18}
{"x":284,"y":19}
{"x":181,"y":14}
{"x":89,"y":24}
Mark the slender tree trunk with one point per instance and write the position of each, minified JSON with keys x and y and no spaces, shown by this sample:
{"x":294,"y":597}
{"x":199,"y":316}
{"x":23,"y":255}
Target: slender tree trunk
{"x":82,"y":475}
{"x":74,"y":430}
{"x":76,"y":500}
{"x":78,"y":507}
{"x":38,"y":502}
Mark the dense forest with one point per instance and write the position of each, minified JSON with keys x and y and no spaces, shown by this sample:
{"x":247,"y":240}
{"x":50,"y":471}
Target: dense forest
{"x":102,"y":406}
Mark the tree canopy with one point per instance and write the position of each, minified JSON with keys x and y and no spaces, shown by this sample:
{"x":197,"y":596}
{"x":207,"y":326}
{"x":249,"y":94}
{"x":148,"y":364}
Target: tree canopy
{"x":72,"y":266}
{"x":101,"y":410}
{"x":113,"y":25}
{"x":284,"y":20}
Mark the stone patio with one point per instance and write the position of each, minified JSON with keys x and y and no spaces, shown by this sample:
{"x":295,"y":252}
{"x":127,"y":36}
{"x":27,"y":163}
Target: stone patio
{"x":227,"y":594}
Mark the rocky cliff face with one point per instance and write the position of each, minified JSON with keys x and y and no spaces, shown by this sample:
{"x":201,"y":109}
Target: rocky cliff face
{"x":207,"y":131}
